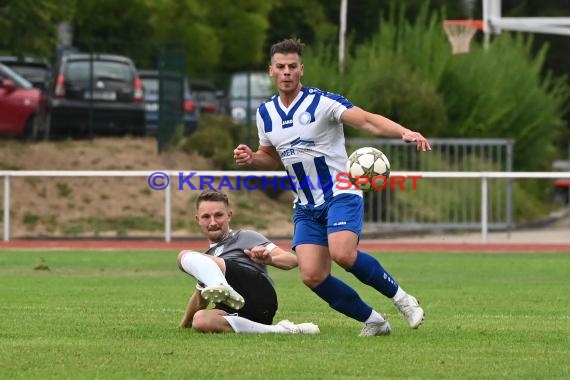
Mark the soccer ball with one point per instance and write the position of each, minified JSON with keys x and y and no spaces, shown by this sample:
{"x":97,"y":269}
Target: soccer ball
{"x":368,"y":169}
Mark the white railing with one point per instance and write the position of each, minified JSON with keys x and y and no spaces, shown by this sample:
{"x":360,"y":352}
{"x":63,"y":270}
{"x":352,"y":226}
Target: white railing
{"x":483,"y":176}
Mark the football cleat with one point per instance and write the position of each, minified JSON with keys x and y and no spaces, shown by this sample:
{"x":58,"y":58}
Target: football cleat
{"x":223,"y":294}
{"x":411,"y":309}
{"x":376,"y":328}
{"x":301,"y":328}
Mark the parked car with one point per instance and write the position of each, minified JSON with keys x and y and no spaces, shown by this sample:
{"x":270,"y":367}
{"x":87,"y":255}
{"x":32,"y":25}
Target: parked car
{"x":22,"y":107}
{"x":37,"y":71}
{"x":97,"y":94}
{"x":562,"y":185}
{"x":206,"y":95}
{"x":151,"y":83}
{"x":241,"y":94}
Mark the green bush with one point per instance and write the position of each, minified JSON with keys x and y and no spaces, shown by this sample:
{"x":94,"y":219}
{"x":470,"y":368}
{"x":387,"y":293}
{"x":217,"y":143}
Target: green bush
{"x":407,"y":72}
{"x":216,"y":139}
{"x":503,"y":92}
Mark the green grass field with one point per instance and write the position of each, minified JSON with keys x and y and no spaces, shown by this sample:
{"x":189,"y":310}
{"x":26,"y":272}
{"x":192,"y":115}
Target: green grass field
{"x":114,"y":315}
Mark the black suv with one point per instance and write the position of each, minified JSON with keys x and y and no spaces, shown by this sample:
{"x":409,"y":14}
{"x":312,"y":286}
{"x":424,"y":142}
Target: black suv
{"x":97,"y":94}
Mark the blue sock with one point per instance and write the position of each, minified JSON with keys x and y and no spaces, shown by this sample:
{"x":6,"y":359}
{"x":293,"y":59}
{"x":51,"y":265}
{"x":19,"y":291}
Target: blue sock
{"x":343,"y":298}
{"x":369,"y":271}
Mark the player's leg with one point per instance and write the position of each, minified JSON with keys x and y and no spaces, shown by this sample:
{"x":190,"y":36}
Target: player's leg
{"x":245,"y":326}
{"x":211,"y":321}
{"x":261,"y":304}
{"x":362,"y":265}
{"x":344,"y":227}
{"x":310,"y":242}
{"x":207,"y":269}
{"x":219,"y":321}
{"x":210,"y":271}
{"x":341,"y":297}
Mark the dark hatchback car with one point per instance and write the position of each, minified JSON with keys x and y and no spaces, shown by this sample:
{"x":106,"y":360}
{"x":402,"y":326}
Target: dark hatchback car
{"x":22,"y":107}
{"x":95,"y":95}
{"x":37,"y":71}
{"x":151,"y":83}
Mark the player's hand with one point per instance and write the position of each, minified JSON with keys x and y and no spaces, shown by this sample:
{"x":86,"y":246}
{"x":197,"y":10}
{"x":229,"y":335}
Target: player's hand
{"x":421,"y":142}
{"x":243,"y":155}
{"x":259,"y":254}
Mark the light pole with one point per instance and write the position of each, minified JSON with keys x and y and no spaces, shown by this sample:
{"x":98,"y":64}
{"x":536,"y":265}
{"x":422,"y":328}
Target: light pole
{"x":342,"y":35}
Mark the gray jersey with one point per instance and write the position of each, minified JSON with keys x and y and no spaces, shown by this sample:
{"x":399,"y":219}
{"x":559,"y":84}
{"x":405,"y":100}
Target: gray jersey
{"x":232,"y":248}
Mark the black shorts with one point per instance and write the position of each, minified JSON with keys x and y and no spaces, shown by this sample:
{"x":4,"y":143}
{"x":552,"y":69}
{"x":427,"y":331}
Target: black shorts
{"x":260,"y":297}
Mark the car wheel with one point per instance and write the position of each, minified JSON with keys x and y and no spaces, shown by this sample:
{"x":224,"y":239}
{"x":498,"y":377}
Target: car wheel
{"x":31,"y":129}
{"x":44,"y":135}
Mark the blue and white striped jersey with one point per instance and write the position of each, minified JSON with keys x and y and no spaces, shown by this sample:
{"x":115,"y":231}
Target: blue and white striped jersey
{"x":309,"y":138}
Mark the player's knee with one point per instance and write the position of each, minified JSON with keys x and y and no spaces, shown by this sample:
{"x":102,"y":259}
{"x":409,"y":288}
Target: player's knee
{"x":201,"y":322}
{"x":313,"y":279}
{"x":180,"y":256}
{"x":179,"y":259}
{"x":345,"y":259}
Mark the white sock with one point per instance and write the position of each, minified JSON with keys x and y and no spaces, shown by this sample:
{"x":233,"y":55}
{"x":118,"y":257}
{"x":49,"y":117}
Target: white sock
{"x":202,"y":268}
{"x":245,"y":326}
{"x":375,"y":317}
{"x":400,"y":293}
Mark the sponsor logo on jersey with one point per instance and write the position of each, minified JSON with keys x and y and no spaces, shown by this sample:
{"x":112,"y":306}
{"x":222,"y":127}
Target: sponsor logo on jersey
{"x":287,"y":152}
{"x":305,"y":118}
{"x":300,"y":141}
{"x":218,"y":251}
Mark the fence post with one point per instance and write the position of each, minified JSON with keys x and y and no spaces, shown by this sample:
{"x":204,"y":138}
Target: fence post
{"x":510,"y":188}
{"x":167,"y":214}
{"x":7,"y":208}
{"x":484,"y":200}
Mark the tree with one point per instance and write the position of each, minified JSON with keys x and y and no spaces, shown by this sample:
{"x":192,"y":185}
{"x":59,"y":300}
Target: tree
{"x":305,"y":19}
{"x":108,"y":26}
{"x":242,"y":28}
{"x":29,"y":27}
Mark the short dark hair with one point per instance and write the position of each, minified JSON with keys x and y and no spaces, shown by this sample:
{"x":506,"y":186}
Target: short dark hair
{"x":212,"y":196}
{"x":287,"y":46}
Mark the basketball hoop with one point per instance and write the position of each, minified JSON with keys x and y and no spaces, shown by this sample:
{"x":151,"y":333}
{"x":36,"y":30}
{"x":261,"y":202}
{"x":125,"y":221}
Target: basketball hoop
{"x":460,"y":33}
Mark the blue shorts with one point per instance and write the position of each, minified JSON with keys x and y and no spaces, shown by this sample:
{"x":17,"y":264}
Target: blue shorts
{"x":343,"y":213}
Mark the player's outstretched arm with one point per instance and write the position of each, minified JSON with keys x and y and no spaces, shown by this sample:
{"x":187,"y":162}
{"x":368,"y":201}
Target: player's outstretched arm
{"x":195,"y":303}
{"x":379,"y":125}
{"x":272,"y":255}
{"x":265,"y":158}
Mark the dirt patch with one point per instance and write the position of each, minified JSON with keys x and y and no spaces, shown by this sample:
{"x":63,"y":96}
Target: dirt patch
{"x":116,"y":206}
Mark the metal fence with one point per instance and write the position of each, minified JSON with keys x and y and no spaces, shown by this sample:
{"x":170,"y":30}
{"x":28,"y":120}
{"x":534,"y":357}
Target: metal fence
{"x":171,"y":67}
{"x":457,"y":200}
{"x":481,"y":181}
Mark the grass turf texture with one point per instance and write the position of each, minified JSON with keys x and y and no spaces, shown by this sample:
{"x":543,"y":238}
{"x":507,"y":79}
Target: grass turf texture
{"x":114,"y":315}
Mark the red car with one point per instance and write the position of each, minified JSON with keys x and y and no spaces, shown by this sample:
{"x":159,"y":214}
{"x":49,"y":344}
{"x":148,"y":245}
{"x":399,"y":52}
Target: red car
{"x":22,"y":107}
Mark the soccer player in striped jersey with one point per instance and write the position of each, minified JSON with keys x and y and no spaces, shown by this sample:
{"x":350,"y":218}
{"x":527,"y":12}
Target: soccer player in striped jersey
{"x":302,"y":128}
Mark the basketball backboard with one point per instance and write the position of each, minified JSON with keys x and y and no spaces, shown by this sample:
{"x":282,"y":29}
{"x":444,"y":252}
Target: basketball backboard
{"x":494,"y":23}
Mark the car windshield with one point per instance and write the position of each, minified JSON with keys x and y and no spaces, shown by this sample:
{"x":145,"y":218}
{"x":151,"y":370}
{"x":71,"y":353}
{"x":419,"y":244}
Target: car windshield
{"x":79,"y":71}
{"x":150,"y":85}
{"x":31,"y":72}
{"x":8,"y":73}
{"x":260,"y":86}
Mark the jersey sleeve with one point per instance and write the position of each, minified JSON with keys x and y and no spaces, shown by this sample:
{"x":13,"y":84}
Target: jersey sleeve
{"x":253,"y":238}
{"x":336,"y":104}
{"x":263,"y":140}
